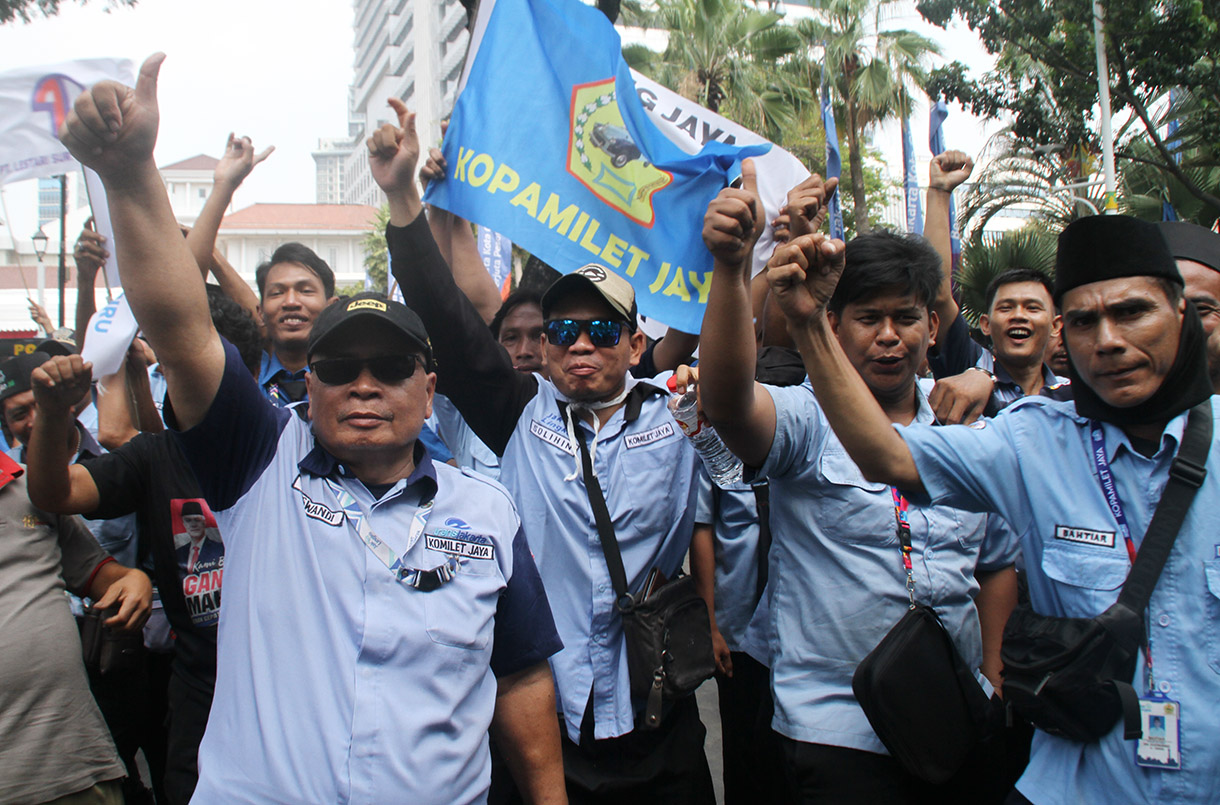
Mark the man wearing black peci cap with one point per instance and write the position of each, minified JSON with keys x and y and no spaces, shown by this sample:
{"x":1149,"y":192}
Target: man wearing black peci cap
{"x":1138,"y":365}
{"x":381,"y":611}
{"x":1197,"y":252}
{"x":645,"y":465}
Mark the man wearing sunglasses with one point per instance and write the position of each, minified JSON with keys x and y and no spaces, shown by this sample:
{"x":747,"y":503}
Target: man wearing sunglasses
{"x":644,"y":465}
{"x":381,"y":611}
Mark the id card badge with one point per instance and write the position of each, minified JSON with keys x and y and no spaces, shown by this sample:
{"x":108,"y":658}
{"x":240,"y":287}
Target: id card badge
{"x":1160,"y":720}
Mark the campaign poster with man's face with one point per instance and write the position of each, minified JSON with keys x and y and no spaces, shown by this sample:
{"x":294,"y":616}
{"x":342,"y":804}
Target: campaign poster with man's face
{"x":201,"y":558}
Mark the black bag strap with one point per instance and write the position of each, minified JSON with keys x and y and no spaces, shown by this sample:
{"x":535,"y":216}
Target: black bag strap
{"x":1185,"y":477}
{"x":762,"y":499}
{"x":605,"y":528}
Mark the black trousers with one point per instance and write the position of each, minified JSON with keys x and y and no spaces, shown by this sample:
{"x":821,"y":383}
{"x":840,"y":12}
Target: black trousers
{"x":753,"y":764}
{"x":188,"y":718}
{"x":834,"y":774}
{"x":665,"y":766}
{"x":133,"y":704}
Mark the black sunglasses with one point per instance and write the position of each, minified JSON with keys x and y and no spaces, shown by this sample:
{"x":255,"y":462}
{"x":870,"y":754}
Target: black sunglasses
{"x":602,"y":332}
{"x":388,"y":369}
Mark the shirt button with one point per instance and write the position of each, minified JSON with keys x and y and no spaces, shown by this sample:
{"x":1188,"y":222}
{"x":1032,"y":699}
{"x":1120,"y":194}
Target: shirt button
{"x":601,"y":588}
{"x":1164,"y":619}
{"x":929,"y":553}
{"x":1165,"y":687}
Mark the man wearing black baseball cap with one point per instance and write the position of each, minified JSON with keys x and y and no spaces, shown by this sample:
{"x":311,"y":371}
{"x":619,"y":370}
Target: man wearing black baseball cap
{"x":396,"y":595}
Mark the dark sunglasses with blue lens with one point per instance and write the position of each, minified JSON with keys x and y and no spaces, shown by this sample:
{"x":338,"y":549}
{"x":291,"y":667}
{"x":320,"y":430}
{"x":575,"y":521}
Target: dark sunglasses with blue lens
{"x":388,"y":369}
{"x":602,"y":332}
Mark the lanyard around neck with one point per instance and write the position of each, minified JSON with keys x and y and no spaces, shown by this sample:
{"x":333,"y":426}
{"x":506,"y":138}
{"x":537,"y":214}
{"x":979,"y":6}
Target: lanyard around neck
{"x":904,"y":538}
{"x":358,"y":519}
{"x":1108,"y":487}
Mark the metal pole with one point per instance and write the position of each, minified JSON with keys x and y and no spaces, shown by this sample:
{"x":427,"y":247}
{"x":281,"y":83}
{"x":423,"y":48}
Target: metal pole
{"x":63,"y":242}
{"x":1103,"y":91}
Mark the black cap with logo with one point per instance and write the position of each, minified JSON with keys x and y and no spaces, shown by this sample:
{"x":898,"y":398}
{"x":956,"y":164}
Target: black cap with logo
{"x":368,"y":306}
{"x":15,"y":372}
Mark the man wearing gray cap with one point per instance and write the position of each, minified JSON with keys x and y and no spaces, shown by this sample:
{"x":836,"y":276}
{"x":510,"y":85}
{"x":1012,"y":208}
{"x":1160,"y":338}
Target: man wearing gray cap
{"x":381,"y":611}
{"x":1079,"y":480}
{"x":1197,"y":252}
{"x":590,"y":420}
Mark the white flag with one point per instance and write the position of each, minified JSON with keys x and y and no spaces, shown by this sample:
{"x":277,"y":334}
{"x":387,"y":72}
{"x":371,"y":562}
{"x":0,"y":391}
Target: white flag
{"x":33,"y":104}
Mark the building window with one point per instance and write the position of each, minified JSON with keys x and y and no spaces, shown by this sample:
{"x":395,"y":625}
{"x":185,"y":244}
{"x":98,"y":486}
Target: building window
{"x":203,"y":192}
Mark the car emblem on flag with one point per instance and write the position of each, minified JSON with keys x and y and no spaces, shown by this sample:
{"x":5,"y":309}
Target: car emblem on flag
{"x":605,"y":159}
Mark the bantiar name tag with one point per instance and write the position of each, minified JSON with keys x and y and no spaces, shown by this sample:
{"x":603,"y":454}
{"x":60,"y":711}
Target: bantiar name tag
{"x":1160,"y":720}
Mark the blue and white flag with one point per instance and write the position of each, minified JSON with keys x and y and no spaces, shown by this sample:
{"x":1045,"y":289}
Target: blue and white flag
{"x":936,"y":141}
{"x":582,"y":176}
{"x":834,"y":165}
{"x":1168,"y":213}
{"x":910,"y":181}
{"x":497,"y":253}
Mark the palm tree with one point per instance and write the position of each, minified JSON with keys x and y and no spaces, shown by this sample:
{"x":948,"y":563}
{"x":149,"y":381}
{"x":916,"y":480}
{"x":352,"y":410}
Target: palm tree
{"x":722,"y":53}
{"x":869,"y":71}
{"x":985,"y":257}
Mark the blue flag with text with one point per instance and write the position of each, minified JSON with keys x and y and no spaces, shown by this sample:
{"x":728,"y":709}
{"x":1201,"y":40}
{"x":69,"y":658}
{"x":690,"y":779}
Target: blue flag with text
{"x":550,"y":145}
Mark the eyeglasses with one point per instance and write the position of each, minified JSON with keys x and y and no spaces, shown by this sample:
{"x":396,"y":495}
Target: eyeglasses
{"x":388,"y":369}
{"x":602,"y":332}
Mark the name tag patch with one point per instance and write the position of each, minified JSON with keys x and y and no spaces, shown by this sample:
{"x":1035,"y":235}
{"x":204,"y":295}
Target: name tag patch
{"x":1100,"y":539}
{"x":649,"y":436}
{"x":316,"y":510}
{"x":551,"y":437}
{"x":459,"y":547}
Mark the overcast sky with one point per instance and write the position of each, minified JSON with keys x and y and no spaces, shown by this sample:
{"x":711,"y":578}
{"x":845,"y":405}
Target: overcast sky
{"x":277,"y":72}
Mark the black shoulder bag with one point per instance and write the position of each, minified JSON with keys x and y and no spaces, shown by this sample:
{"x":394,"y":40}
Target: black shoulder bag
{"x":920,"y":697}
{"x":667,"y":629}
{"x":1071,"y":677}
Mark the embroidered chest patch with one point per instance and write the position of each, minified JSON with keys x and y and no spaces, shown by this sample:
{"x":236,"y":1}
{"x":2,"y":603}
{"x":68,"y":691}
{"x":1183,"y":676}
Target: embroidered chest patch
{"x":551,"y":437}
{"x":1100,"y":539}
{"x":316,"y":510}
{"x":460,"y":543}
{"x":649,"y":436}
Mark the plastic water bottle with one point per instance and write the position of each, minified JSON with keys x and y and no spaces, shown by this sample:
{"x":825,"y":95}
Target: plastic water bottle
{"x":722,"y":465}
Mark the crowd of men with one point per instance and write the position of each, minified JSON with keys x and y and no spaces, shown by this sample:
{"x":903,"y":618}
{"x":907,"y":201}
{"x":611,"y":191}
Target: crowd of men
{"x":405,"y":506}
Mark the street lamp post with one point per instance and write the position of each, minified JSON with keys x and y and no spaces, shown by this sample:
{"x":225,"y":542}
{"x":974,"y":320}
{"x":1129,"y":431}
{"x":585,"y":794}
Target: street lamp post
{"x":40,"y":250}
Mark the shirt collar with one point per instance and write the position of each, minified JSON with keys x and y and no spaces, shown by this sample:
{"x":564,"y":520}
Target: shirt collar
{"x":270,"y":366}
{"x":88,"y":446}
{"x":320,"y":463}
{"x":923,"y":411}
{"x":1171,"y":437}
{"x":1002,"y":376}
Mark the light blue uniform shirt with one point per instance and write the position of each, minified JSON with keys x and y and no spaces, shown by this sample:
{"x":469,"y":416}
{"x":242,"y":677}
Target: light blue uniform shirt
{"x":733,"y":513}
{"x":1033,"y":464}
{"x":467,"y":448}
{"x":839,"y":582}
{"x":646,"y":468}
{"x":335,"y":682}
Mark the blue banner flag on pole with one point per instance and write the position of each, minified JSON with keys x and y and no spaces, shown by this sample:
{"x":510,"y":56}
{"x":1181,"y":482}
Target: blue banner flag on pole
{"x":1168,"y":213}
{"x":550,"y":145}
{"x":910,"y":181}
{"x":834,"y":165}
{"x":936,"y":141}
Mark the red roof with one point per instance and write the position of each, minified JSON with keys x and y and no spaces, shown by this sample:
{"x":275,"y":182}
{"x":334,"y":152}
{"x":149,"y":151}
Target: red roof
{"x":302,"y":216}
{"x":199,"y":162}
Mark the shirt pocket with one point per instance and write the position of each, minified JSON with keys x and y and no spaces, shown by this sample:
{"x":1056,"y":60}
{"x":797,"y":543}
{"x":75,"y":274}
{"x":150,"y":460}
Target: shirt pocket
{"x":461,"y":612}
{"x":1088,"y":578}
{"x":853,"y":509}
{"x":1211,"y":612}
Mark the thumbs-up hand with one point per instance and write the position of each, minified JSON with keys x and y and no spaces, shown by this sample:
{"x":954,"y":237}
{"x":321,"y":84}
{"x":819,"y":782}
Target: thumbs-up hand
{"x":112,"y":127}
{"x":734,"y":220}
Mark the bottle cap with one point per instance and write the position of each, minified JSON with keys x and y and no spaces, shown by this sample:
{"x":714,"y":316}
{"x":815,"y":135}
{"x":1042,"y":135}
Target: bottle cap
{"x":672,"y":383}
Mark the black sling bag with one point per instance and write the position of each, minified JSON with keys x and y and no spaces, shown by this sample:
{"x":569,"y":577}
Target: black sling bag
{"x":667,"y":628}
{"x":1071,"y":676}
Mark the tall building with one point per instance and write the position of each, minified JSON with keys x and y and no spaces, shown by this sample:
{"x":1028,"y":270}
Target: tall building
{"x":407,"y":49}
{"x":331,"y":160}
